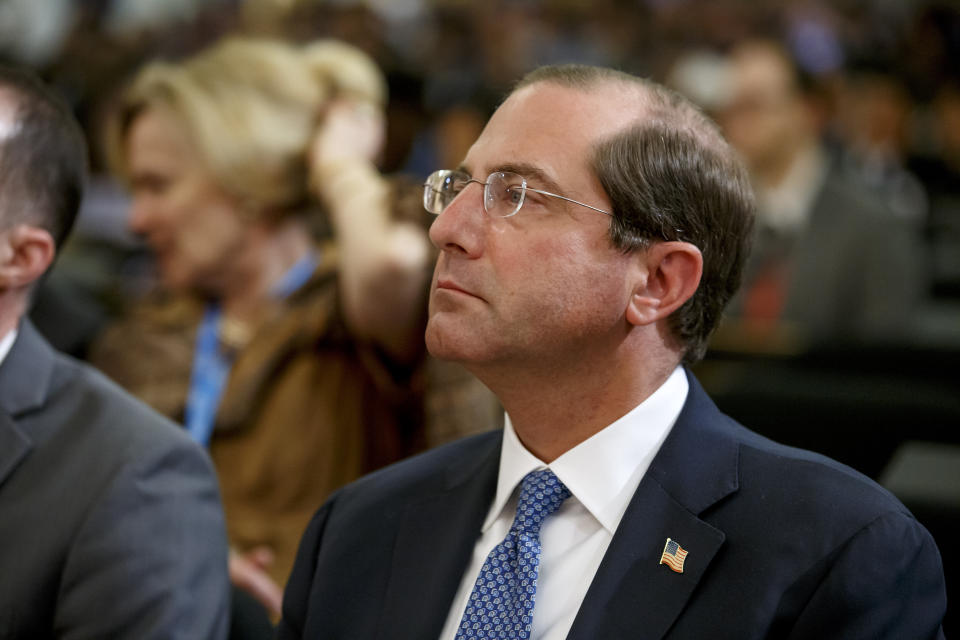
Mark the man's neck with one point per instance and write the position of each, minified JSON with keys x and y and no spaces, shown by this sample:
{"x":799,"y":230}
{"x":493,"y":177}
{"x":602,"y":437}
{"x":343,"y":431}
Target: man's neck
{"x":554,"y":411}
{"x":773,"y":171}
{"x":786,"y":205}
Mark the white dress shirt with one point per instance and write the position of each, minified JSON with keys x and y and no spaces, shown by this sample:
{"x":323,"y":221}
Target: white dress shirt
{"x":6,"y":343}
{"x":602,"y":474}
{"x":787,"y":206}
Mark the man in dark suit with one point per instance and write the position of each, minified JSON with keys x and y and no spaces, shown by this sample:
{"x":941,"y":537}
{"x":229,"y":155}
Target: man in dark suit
{"x":588,"y":244}
{"x":110,"y":518}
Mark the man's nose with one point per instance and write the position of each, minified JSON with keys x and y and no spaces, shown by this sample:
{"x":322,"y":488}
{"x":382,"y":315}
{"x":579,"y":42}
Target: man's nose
{"x":459,"y":227}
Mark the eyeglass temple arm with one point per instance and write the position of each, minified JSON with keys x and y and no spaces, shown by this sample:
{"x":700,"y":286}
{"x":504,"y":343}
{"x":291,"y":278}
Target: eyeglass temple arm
{"x":556,"y":195}
{"x":540,"y":191}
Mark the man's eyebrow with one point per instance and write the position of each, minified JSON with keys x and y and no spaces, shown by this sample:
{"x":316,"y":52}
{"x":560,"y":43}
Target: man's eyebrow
{"x":533,"y":173}
{"x":529,"y":171}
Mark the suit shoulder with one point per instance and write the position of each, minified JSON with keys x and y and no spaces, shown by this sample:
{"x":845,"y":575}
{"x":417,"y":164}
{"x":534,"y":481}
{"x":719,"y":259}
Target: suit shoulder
{"x":809,"y":485}
{"x":86,"y":402}
{"x":426,"y":472}
{"x":846,"y":195}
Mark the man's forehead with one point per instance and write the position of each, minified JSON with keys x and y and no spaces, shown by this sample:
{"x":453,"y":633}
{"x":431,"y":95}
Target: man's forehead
{"x":759,"y":68}
{"x":548,"y":125}
{"x":595,"y":111}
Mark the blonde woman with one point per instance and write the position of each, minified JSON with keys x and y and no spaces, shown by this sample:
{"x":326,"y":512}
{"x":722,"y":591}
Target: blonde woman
{"x":296,"y":361}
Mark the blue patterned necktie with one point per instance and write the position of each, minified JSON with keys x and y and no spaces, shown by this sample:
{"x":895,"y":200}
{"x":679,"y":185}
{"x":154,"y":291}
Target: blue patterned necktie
{"x":501,"y":603}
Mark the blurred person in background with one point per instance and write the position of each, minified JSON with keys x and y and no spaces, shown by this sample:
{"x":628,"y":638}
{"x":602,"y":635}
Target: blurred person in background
{"x":875,"y":125}
{"x":831,"y":261}
{"x":110,"y":521}
{"x":875,"y":109}
{"x":939,"y":169}
{"x":297,"y":362}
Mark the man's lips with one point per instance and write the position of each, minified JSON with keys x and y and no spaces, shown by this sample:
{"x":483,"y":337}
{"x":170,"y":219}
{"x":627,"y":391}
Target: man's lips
{"x":450,"y":285}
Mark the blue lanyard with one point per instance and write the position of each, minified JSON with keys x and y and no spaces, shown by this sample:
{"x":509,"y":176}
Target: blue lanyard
{"x":211,"y":364}
{"x":296,"y":276}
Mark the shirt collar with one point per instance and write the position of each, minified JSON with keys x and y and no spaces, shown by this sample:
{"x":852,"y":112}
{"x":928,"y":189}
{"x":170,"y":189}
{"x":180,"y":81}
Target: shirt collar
{"x":604,"y":471}
{"x":6,"y":343}
{"x":788,"y":205}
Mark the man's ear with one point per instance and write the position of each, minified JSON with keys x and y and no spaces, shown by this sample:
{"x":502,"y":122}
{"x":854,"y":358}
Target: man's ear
{"x":670,"y":275}
{"x":25,"y":254}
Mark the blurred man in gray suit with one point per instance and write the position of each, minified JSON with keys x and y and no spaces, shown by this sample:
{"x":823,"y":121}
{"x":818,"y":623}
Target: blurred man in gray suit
{"x":830,"y":259}
{"x":110,"y":520}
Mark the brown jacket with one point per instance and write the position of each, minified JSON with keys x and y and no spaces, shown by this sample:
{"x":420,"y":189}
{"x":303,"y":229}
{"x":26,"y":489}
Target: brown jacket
{"x":306,"y":408}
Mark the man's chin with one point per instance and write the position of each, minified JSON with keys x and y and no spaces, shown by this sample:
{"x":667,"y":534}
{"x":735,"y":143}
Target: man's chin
{"x":436,"y":344}
{"x":445,"y":342}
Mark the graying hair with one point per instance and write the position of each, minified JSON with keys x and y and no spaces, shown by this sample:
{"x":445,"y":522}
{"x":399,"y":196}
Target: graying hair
{"x":671,"y":176}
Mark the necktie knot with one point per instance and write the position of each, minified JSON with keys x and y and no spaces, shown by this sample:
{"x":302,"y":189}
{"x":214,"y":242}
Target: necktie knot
{"x":541,"y":493}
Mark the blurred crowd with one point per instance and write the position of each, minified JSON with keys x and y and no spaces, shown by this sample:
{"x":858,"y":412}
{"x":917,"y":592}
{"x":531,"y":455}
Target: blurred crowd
{"x":846,"y":113}
{"x":879,"y":80}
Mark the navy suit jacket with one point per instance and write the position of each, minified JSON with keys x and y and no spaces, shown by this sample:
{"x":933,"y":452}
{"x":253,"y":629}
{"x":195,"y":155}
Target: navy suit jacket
{"x":781,"y":543}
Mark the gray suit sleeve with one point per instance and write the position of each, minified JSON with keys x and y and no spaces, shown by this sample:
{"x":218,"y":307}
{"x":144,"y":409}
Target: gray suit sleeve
{"x":150,"y":560}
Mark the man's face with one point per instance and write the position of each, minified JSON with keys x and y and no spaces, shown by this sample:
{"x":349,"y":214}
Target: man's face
{"x":544,"y":287}
{"x":765,"y":113}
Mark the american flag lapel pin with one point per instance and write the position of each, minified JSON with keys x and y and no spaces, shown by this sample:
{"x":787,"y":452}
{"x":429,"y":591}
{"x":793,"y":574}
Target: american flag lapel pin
{"x":673,"y":555}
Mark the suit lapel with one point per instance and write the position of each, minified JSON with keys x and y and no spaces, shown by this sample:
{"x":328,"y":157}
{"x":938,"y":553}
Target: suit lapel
{"x":434,"y":544}
{"x":632,"y":595}
{"x":14,"y":446}
{"x":25,"y":376}
{"x":26,"y":373}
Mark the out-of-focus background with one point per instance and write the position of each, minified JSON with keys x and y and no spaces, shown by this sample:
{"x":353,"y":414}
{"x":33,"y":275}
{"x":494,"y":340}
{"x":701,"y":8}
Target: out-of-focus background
{"x":846,"y":338}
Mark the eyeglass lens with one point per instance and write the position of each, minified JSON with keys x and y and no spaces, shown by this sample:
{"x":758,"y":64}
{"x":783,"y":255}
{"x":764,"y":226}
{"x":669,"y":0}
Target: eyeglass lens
{"x":503,"y":192}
